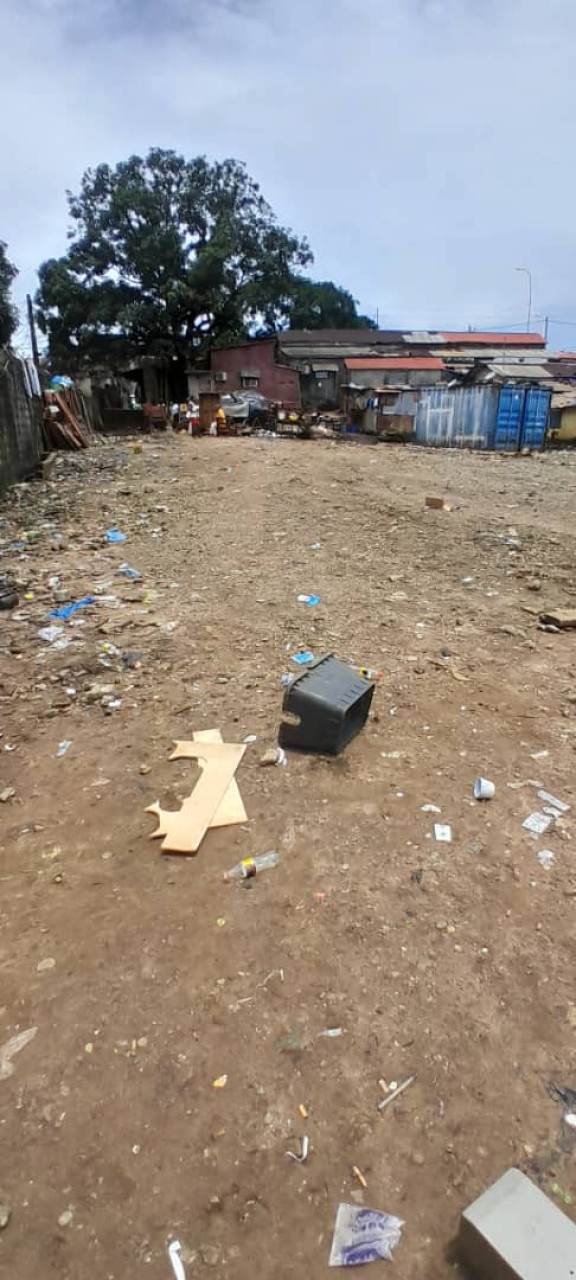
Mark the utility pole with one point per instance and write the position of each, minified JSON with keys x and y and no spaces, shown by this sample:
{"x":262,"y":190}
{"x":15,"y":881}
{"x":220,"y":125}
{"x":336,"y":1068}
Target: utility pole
{"x":546,"y":323}
{"x":525,"y":271}
{"x":33,"y":338}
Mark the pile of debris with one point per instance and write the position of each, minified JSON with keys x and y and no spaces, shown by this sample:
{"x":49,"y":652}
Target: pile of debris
{"x":65,"y":423}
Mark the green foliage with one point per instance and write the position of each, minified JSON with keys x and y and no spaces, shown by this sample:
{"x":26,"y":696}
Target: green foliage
{"x":167,"y":256}
{"x":8,"y":312}
{"x":319,"y":304}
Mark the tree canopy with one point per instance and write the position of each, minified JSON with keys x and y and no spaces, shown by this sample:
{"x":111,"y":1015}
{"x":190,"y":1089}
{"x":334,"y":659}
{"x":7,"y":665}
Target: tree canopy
{"x":168,"y":256}
{"x":8,"y":312}
{"x":320,"y":304}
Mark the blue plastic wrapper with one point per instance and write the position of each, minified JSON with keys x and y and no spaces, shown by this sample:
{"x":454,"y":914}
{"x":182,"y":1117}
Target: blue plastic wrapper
{"x":114,"y":535}
{"x":303,"y":658}
{"x":68,"y":609}
{"x":363,"y":1235}
{"x":127,"y":572}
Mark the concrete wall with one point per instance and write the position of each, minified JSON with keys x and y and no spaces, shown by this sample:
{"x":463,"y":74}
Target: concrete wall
{"x":20,"y":423}
{"x":275,"y":381}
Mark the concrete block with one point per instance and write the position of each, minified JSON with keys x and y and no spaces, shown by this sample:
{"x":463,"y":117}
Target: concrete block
{"x":514,"y":1232}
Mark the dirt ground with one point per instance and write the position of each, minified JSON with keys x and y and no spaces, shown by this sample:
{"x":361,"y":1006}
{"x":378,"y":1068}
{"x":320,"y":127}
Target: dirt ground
{"x":148,"y":977}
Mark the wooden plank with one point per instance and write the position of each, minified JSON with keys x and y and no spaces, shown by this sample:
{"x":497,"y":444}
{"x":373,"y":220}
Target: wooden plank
{"x":231,"y":809}
{"x":184,"y":831}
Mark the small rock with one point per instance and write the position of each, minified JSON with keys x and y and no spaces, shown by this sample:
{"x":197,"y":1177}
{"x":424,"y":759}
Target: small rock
{"x":145,"y":768}
{"x":441,"y":925}
{"x":7,"y":794}
{"x":270,"y":756}
{"x":534,"y":585}
{"x":417,"y":1158}
{"x":65,"y":1218}
{"x":221,"y":680}
{"x":43,"y":965}
{"x":5,"y":1216}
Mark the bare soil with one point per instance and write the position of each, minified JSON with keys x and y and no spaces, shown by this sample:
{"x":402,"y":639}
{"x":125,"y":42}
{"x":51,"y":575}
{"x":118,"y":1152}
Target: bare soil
{"x":451,"y":961}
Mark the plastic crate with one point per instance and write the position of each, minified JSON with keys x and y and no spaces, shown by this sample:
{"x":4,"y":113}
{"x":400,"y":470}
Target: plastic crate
{"x":331,"y":702}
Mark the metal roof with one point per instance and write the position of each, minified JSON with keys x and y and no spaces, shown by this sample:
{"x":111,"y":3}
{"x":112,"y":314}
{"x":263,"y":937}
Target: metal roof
{"x":496,"y":339}
{"x":396,"y":362}
{"x":515,"y":371}
{"x":338,"y":337}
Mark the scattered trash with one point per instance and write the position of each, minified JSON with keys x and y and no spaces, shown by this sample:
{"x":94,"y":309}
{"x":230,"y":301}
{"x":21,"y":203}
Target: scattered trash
{"x":303,"y":658}
{"x":44,"y":965}
{"x":251,"y":737}
{"x":6,"y":794}
{"x":50,"y":634}
{"x":114,"y":535}
{"x":303,"y":1111}
{"x":8,"y":595}
{"x":484,"y":789}
{"x":332,"y":1033}
{"x":250,"y":867}
{"x":556,"y":804}
{"x":301,"y":1159}
{"x":363,"y":1235}
{"x":545,"y":858}
{"x":539,"y":755}
{"x":369,"y":673}
{"x":396,"y":1090}
{"x":570,"y":1119}
{"x":220,"y":1082}
{"x":5,"y":1210}
{"x":562,"y":1093}
{"x":329,"y":704}
{"x":63,"y":747}
{"x":11,"y":1048}
{"x":443,"y":832}
{"x":309,"y":600}
{"x":537,"y":823}
{"x":315,"y":546}
{"x":131,"y":660}
{"x":431,"y":808}
{"x":111,"y":705}
{"x":68,"y":610}
{"x":286,"y":680}
{"x":357,"y":1173}
{"x":127,"y":572}
{"x":274,"y":755}
{"x":175,"y":1259}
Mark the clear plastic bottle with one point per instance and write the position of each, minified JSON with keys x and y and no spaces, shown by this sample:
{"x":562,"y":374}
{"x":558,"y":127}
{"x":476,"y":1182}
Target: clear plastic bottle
{"x":251,"y":866}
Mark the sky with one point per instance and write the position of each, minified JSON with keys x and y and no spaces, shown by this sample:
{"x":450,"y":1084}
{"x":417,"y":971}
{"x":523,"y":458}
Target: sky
{"x":424,"y":147}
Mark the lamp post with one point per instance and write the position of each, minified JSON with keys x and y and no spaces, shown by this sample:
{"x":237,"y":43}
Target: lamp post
{"x":528,"y":273}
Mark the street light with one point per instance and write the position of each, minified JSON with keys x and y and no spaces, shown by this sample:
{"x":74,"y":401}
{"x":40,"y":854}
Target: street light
{"x":528,"y":273}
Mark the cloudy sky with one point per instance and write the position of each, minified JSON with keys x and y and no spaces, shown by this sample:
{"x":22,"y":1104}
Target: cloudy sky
{"x":425,"y":147}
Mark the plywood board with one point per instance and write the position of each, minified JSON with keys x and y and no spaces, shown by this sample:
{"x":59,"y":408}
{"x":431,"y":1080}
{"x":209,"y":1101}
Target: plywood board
{"x":184,"y":830}
{"x":231,"y":809}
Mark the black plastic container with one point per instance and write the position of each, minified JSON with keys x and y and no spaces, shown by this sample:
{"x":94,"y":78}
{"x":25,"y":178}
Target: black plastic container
{"x":331,"y":702}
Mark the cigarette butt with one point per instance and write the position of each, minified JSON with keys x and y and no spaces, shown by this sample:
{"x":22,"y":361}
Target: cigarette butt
{"x":383,"y":1086}
{"x":359,"y":1175}
{"x":303,"y":1111}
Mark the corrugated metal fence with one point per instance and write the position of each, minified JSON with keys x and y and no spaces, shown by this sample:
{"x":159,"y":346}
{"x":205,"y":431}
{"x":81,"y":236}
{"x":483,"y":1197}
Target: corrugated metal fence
{"x":20,"y":422}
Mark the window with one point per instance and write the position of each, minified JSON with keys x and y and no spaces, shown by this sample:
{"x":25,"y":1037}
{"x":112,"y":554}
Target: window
{"x":249,"y":382}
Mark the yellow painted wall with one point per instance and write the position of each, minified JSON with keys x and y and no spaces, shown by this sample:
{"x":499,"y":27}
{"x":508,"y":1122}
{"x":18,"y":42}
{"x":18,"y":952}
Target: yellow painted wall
{"x":567,"y":430}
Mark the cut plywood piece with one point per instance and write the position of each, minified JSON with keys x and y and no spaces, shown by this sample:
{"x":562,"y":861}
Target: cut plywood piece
{"x":184,"y":830}
{"x":231,"y":809}
{"x":563,"y":618}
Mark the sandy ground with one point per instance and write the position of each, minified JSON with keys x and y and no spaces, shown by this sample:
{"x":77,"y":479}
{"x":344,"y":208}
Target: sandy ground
{"x":147,"y":977}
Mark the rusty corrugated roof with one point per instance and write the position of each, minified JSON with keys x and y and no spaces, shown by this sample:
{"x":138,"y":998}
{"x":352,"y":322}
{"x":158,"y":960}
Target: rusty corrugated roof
{"x":496,"y":339}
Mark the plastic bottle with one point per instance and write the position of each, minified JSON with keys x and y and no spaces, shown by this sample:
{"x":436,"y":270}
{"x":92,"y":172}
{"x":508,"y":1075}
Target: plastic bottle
{"x":251,"y":866}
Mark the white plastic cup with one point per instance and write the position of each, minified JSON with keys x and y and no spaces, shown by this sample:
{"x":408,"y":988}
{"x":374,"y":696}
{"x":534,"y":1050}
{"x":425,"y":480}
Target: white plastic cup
{"x":483,"y":789}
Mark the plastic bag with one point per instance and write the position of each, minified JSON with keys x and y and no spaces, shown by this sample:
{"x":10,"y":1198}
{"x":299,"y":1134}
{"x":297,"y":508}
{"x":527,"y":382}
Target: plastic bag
{"x":363,"y":1235}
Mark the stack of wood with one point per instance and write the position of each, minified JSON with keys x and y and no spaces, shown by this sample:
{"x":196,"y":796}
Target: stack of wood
{"x":64,"y":421}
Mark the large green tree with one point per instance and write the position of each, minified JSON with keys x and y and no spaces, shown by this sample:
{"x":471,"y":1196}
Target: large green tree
{"x":167,"y":255}
{"x":319,"y":304}
{"x":8,"y":312}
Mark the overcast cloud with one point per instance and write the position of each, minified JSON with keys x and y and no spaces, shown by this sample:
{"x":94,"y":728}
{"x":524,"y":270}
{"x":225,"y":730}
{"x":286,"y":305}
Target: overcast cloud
{"x":425,"y":147}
